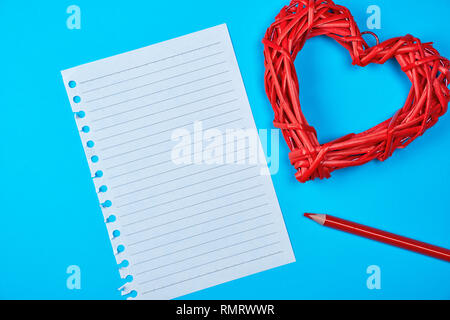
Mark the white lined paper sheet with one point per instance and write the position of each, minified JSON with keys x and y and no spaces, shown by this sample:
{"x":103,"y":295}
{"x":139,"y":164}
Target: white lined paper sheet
{"x":189,"y":226}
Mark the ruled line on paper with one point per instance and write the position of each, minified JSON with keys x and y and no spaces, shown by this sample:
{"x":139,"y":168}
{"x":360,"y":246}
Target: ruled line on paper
{"x":184,"y":186}
{"x":164,"y":172}
{"x":209,"y":262}
{"x":145,"y":146}
{"x":162,"y":152}
{"x":184,"y":176}
{"x":177,"y":178}
{"x":189,"y":195}
{"x":200,"y":255}
{"x":163,"y":162}
{"x":171,"y":129}
{"x":151,"y":176}
{"x":169,"y":119}
{"x":168,"y":140}
{"x":137,"y":139}
{"x":159,"y":91}
{"x":200,"y":213}
{"x":166,"y":130}
{"x":203,"y":243}
{"x":240,"y":233}
{"x":162,"y":80}
{"x":161,"y":101}
{"x":220,"y":228}
{"x":199,"y":224}
{"x":194,"y":215}
{"x":215,"y":271}
{"x":160,"y":204}
{"x":151,"y":62}
{"x":164,"y":100}
{"x":153,"y":72}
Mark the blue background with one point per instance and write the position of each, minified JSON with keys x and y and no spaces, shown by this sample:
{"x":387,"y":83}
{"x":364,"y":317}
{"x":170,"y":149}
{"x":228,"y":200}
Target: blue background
{"x":49,"y":212}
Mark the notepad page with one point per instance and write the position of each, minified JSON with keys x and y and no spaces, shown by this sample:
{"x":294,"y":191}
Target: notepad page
{"x":185,"y":224}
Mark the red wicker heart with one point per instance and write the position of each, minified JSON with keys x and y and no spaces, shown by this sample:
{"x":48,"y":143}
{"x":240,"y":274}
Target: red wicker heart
{"x":426,"y":103}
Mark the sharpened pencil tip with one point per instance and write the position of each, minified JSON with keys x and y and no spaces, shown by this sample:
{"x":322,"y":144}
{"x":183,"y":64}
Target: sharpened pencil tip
{"x":319,"y":218}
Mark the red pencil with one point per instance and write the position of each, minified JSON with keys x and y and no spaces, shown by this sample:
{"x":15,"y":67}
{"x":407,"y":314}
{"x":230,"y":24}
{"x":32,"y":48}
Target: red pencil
{"x":379,"y":235}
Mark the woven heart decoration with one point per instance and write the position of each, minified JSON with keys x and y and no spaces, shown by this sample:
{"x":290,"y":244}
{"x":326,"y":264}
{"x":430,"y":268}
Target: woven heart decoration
{"x":427,"y":100}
